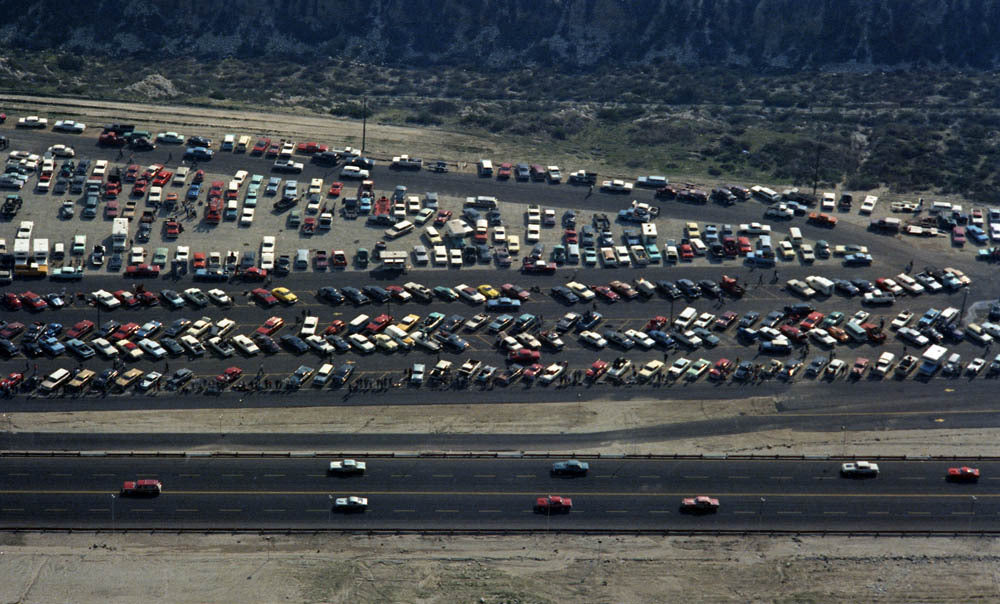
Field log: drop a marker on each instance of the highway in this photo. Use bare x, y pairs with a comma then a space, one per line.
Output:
489, 493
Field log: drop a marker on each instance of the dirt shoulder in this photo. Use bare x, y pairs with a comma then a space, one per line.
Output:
333, 568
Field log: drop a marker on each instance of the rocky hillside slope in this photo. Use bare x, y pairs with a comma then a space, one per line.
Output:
568, 34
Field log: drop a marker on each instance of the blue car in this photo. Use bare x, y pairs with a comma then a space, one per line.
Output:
198, 153
52, 346
573, 467
662, 338
193, 192
503, 304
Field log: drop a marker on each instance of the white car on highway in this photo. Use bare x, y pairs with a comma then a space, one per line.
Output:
347, 466
859, 469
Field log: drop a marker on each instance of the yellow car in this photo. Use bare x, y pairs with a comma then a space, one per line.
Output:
691, 231
489, 291
407, 322
285, 295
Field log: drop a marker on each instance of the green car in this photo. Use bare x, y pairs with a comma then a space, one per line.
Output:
160, 256
362, 257
295, 218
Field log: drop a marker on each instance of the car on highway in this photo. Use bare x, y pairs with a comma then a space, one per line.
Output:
553, 504
702, 504
962, 474
347, 467
572, 467
859, 469
350, 504
141, 488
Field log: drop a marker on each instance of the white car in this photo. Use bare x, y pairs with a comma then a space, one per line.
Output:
347, 466
651, 369
320, 345
267, 244
534, 233
902, 320
352, 503
455, 257
246, 345
755, 228
469, 294
104, 348
69, 126
593, 338
313, 206
552, 373
220, 347
678, 367
138, 256
423, 216
884, 364
386, 343
975, 366
859, 468
913, 336
704, 320
106, 299
246, 219
170, 137
822, 337
582, 291
309, 326
354, 172
182, 254
528, 341
360, 342
62, 151
640, 338
499, 234
219, 297
195, 296
32, 121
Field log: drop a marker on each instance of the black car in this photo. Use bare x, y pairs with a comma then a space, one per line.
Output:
355, 296
710, 288
7, 348
32, 349
563, 293
266, 343
143, 144
199, 141
376, 293
773, 318
176, 328
284, 265
342, 374
105, 378
619, 338
864, 285
339, 343
294, 343
567, 322
668, 289
846, 287
452, 323
749, 318
172, 347
179, 378
689, 288
331, 295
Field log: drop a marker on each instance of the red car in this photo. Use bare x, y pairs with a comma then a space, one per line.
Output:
264, 297
336, 326
336, 189
139, 188
379, 323
254, 274
173, 228
80, 329
310, 147
687, 252
398, 293
13, 380
720, 370
963, 474
33, 301
338, 258
532, 371
606, 292
200, 260
699, 504
515, 292
141, 488
505, 170
812, 320
320, 261
743, 243
570, 236
793, 333
11, 330
624, 290
12, 302
148, 298
199, 177
728, 318
261, 146
860, 366
270, 326
553, 504
273, 150
229, 376
597, 369
524, 355
162, 178
309, 226
126, 298
111, 209
442, 217
151, 171
131, 173
124, 332
143, 270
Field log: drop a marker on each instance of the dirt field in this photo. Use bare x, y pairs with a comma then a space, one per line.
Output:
178, 569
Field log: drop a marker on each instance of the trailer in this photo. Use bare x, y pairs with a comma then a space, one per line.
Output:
931, 360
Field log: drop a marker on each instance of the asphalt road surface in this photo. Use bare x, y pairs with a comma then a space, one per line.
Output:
495, 494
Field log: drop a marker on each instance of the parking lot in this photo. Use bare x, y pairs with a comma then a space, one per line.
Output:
767, 288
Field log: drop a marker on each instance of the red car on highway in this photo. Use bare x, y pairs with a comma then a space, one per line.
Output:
699, 505
553, 504
141, 488
963, 474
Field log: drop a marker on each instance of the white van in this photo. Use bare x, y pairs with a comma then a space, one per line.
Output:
55, 380
795, 236
302, 259
820, 284
698, 246
940, 207
242, 144
399, 229
228, 142
358, 323
687, 316
485, 168
573, 253
764, 244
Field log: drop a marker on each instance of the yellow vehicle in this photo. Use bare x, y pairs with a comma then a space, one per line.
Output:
489, 291
285, 295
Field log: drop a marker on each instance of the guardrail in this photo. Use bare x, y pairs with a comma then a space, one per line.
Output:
493, 455
511, 532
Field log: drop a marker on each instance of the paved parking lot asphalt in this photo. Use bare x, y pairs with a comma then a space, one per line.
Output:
765, 291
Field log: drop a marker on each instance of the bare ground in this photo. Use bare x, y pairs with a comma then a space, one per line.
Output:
543, 568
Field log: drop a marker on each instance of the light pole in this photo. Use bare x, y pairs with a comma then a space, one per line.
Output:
843, 430
972, 511
220, 425
760, 515
113, 498
329, 510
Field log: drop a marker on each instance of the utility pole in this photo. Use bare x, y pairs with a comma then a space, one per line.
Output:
819, 149
364, 122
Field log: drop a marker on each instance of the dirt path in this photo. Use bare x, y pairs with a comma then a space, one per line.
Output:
322, 568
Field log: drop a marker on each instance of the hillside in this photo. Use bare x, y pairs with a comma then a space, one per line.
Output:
570, 34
